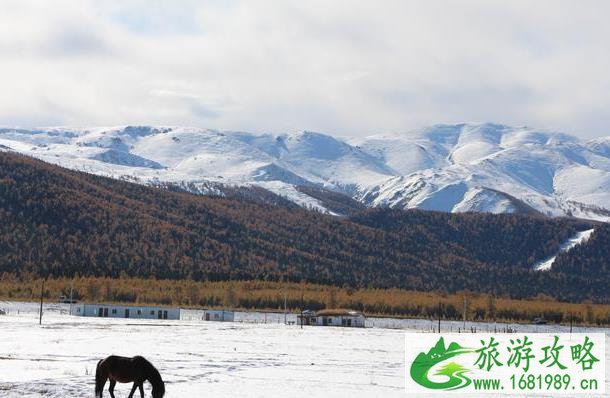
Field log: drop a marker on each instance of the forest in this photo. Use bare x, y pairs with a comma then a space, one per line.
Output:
62, 223
292, 297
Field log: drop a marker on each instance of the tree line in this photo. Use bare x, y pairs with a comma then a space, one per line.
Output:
272, 296
62, 223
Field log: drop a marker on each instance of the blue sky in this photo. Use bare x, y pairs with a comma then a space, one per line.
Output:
349, 68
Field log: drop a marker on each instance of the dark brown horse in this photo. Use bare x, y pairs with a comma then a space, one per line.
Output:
134, 370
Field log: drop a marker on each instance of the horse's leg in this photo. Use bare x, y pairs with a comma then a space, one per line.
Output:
133, 389
99, 388
141, 390
100, 379
111, 388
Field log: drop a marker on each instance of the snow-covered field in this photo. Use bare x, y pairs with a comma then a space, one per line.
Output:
247, 358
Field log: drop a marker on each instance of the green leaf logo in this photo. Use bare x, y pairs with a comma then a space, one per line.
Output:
420, 369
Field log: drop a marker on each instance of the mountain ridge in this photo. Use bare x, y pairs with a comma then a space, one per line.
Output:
480, 167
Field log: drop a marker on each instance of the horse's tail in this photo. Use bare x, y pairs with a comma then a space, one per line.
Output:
100, 380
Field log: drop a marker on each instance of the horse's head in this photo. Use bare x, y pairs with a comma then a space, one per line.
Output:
158, 390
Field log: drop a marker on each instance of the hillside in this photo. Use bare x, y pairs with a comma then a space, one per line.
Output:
481, 167
61, 222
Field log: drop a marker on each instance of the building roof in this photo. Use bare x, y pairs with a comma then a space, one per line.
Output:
338, 312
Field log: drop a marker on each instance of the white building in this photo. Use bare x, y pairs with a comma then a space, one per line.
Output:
218, 315
345, 318
123, 311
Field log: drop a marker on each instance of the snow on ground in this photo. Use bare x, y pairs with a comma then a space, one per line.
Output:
196, 358
291, 193
580, 237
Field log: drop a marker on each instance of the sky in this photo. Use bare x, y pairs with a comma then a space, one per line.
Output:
344, 67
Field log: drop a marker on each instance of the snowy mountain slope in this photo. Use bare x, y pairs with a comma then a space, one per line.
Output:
553, 173
577, 239
458, 168
329, 161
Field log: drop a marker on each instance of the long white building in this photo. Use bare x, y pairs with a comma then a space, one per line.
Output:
123, 311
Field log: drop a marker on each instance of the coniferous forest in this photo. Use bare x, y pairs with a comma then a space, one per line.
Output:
292, 297
62, 223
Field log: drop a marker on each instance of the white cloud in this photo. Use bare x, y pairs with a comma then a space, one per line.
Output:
344, 67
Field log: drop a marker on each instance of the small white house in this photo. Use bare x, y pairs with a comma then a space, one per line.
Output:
340, 317
123, 311
218, 315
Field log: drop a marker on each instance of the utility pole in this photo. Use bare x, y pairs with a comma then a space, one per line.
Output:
301, 310
285, 309
464, 315
41, 293
439, 316
71, 294
571, 322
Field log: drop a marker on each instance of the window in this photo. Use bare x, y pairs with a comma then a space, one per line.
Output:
313, 319
215, 316
330, 320
152, 312
139, 312
114, 310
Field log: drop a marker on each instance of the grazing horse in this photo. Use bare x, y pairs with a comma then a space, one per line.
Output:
128, 370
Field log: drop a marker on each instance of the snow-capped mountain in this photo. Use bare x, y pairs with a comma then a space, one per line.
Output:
457, 168
495, 168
